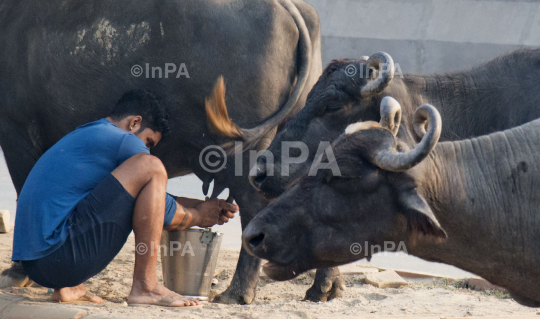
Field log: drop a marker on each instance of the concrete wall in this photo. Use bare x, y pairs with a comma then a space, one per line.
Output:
426, 36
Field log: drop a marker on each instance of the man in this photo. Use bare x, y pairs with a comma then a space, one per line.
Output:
90, 190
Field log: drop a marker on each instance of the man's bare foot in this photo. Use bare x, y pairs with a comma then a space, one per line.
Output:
141, 293
76, 293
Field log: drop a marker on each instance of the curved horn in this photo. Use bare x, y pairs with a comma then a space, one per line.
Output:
385, 75
390, 114
419, 125
392, 160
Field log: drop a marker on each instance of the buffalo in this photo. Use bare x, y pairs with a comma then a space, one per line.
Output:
66, 63
471, 203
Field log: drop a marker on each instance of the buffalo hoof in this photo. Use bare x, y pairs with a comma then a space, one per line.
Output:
15, 277
233, 296
328, 285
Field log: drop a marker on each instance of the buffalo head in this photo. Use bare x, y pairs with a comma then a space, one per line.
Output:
375, 199
348, 91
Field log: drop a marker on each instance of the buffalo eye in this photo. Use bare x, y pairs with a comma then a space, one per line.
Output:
346, 185
359, 178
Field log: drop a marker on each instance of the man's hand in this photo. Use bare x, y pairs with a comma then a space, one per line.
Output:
212, 212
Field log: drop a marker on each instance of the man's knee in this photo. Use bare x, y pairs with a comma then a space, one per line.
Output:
153, 165
136, 171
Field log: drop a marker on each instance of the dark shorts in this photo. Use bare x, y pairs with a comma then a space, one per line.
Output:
98, 229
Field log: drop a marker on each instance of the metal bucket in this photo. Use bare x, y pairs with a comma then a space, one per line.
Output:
189, 260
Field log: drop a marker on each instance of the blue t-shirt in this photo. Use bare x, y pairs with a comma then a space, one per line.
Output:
63, 176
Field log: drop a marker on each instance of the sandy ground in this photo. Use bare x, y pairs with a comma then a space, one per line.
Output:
284, 299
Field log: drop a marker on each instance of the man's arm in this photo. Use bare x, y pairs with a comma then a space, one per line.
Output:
188, 202
193, 212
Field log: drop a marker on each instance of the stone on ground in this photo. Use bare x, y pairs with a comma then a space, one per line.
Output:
387, 278
4, 221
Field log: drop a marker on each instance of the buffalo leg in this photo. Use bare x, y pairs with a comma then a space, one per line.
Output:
244, 282
329, 284
21, 155
242, 287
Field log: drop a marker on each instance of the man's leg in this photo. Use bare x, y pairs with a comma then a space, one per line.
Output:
145, 178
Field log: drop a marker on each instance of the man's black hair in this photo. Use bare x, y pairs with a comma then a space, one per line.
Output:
145, 104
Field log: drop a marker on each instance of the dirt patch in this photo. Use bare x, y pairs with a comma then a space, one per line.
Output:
284, 299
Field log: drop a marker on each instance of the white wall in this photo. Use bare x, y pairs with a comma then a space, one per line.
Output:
426, 36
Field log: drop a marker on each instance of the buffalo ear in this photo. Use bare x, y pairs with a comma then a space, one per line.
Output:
420, 219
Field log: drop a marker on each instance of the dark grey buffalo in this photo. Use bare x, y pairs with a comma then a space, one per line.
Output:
473, 203
65, 63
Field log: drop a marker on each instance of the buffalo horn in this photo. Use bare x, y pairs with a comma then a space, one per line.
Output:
392, 160
385, 75
390, 114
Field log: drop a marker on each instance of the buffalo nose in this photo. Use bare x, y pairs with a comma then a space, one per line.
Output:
252, 239
257, 175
